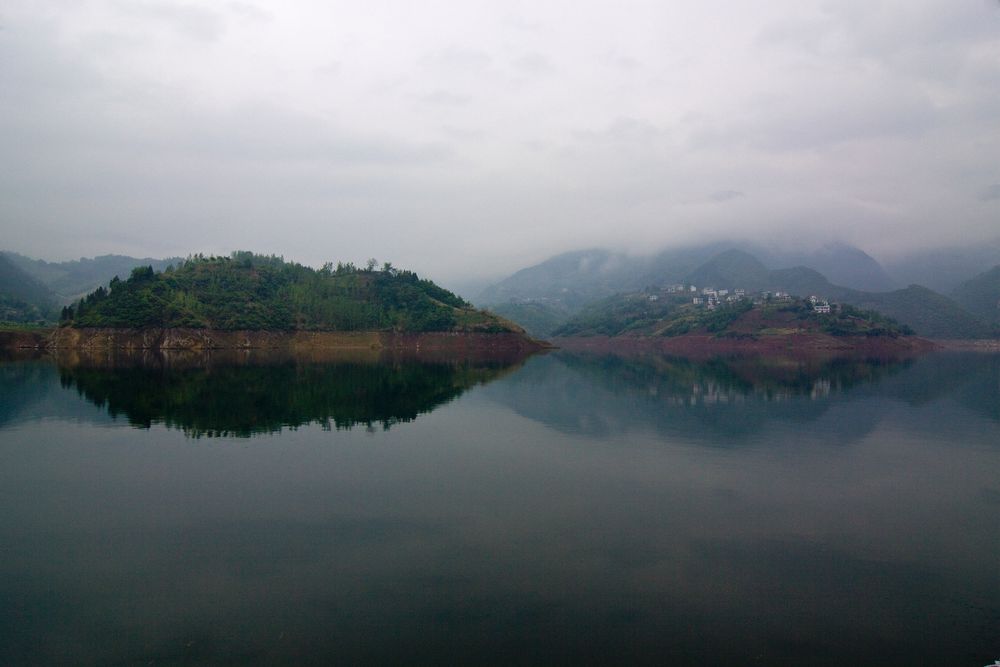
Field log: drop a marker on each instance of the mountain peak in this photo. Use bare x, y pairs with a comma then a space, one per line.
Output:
729, 269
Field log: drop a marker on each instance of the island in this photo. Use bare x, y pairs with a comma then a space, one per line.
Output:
716, 321
252, 301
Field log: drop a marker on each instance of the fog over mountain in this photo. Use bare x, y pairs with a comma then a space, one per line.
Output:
468, 140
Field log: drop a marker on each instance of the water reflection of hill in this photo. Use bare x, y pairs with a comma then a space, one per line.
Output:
237, 394
722, 401
971, 379
29, 389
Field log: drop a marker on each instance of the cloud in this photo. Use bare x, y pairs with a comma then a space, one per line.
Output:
991, 193
444, 98
249, 11
533, 63
721, 196
623, 130
189, 20
820, 114
465, 139
458, 58
622, 62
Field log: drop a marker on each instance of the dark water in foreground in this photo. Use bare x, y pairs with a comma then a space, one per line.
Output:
568, 510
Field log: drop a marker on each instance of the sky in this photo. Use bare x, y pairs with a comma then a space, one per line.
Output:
469, 139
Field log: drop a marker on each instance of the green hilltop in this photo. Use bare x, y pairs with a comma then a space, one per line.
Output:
257, 292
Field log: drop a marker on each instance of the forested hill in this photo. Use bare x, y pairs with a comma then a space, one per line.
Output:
257, 292
71, 280
22, 298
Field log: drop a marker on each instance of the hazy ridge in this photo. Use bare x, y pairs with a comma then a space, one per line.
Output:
547, 295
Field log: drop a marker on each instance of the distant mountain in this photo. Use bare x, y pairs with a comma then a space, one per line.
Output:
538, 319
944, 269
543, 296
570, 279
805, 282
930, 314
19, 284
735, 268
675, 264
843, 264
71, 280
927, 312
22, 298
575, 279
981, 295
729, 269
546, 307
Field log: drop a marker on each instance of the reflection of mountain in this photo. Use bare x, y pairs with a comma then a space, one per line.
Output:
972, 380
721, 380
228, 398
29, 390
739, 401
729, 401
22, 385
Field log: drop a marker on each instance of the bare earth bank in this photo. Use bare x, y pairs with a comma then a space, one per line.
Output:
209, 339
706, 345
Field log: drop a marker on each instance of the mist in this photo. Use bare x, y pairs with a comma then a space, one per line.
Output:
467, 140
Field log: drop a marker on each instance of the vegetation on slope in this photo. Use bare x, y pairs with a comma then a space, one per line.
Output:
927, 312
71, 280
635, 314
23, 300
729, 269
676, 316
538, 319
257, 292
981, 295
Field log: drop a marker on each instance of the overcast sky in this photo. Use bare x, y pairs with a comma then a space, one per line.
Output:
471, 137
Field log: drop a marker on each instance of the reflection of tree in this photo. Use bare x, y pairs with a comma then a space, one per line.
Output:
232, 399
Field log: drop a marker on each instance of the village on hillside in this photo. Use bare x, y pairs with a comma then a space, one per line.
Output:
711, 298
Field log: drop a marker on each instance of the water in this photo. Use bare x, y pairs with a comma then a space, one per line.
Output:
568, 509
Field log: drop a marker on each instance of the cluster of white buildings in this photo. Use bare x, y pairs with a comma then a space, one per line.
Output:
820, 305
711, 298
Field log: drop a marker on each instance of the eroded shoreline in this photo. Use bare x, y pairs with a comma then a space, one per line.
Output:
212, 339
706, 345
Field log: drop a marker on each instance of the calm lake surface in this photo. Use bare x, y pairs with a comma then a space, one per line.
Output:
567, 509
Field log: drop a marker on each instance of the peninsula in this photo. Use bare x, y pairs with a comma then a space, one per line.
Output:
765, 322
257, 301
